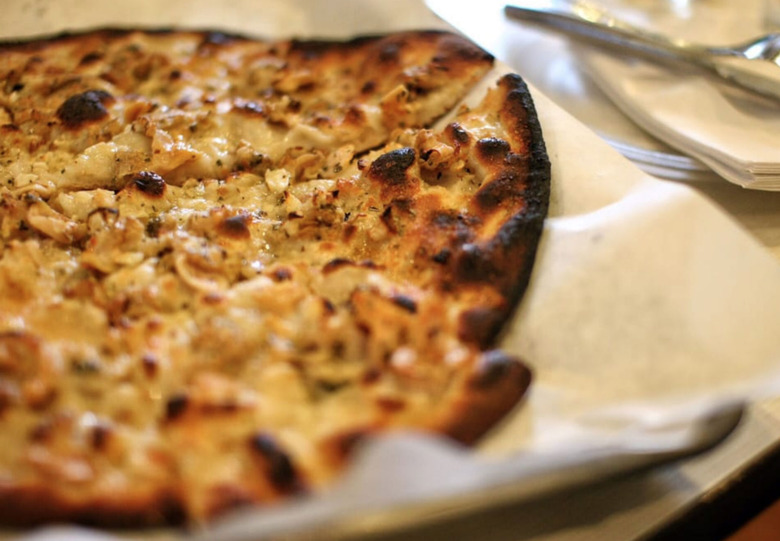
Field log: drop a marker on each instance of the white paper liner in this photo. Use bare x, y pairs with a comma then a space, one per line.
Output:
650, 317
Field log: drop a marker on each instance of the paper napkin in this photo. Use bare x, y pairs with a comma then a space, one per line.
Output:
735, 134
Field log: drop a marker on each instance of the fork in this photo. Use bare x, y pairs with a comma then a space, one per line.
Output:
753, 66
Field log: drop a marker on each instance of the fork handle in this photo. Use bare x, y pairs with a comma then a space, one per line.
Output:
597, 26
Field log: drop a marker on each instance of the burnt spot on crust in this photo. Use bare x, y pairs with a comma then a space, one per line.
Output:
153, 226
335, 264
349, 232
390, 404
214, 40
90, 58
480, 325
390, 168
452, 48
25, 506
84, 108
397, 215
281, 274
442, 256
354, 116
457, 134
150, 365
506, 189
493, 367
340, 263
368, 87
519, 114
407, 303
498, 383
475, 263
236, 227
277, 463
492, 150
389, 52
149, 183
99, 436
371, 376
314, 49
175, 406
504, 261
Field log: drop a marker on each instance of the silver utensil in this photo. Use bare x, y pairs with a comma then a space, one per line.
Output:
753, 66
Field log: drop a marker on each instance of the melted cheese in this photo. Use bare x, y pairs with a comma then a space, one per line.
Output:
206, 257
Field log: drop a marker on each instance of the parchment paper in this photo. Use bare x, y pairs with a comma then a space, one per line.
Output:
651, 316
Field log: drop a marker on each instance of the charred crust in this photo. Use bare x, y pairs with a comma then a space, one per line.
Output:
176, 406
84, 108
26, 506
389, 52
330, 309
150, 365
480, 325
505, 261
152, 228
368, 87
90, 58
492, 368
371, 376
456, 133
42, 431
498, 384
340, 262
149, 183
453, 49
313, 49
442, 257
354, 116
390, 404
281, 274
506, 189
492, 150
349, 232
407, 303
335, 264
109, 34
475, 263
390, 168
211, 41
100, 436
277, 463
236, 227
387, 219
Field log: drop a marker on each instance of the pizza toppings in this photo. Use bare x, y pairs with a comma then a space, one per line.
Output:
227, 262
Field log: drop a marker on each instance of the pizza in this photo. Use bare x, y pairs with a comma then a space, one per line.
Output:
227, 262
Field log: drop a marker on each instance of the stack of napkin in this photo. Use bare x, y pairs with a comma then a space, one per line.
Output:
735, 134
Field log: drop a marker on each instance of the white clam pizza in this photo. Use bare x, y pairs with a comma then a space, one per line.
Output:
225, 262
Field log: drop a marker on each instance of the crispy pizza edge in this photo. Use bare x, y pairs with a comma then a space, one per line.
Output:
500, 381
